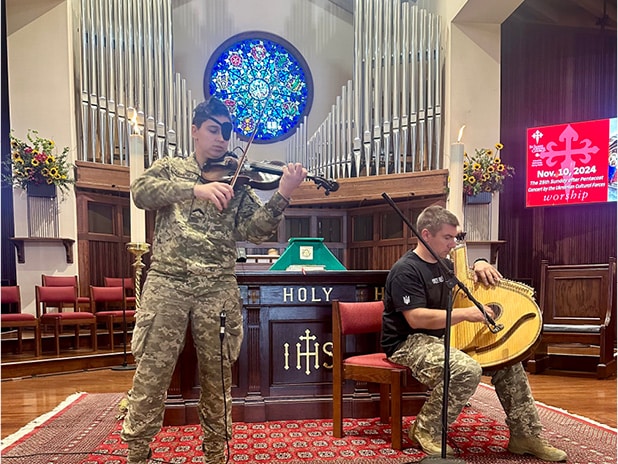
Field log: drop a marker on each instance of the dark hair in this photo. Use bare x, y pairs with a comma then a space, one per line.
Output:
211, 107
434, 217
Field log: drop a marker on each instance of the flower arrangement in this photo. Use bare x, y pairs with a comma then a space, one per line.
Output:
33, 162
484, 171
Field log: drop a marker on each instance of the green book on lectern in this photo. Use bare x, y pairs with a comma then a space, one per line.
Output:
307, 254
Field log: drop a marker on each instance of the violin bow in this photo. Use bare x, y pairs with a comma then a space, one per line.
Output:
243, 158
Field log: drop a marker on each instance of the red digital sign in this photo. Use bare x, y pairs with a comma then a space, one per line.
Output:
567, 164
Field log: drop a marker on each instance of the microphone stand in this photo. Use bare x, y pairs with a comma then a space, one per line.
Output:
450, 280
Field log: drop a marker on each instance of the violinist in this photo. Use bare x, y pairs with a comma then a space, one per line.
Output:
413, 329
191, 280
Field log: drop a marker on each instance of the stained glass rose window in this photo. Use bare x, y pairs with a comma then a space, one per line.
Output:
264, 81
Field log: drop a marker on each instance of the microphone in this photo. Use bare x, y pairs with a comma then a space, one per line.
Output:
222, 317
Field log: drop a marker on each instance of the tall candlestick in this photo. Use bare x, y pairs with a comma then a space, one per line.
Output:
137, 250
455, 198
136, 168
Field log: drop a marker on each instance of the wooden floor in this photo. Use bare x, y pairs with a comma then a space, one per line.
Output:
25, 399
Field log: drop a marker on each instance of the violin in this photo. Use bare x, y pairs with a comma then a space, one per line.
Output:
259, 175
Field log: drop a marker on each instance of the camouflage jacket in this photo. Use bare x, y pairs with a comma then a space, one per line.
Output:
192, 238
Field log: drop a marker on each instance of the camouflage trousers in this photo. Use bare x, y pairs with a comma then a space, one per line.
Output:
424, 355
167, 307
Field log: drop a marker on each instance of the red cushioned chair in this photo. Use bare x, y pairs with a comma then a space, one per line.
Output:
61, 298
11, 295
364, 318
129, 285
65, 281
127, 282
107, 304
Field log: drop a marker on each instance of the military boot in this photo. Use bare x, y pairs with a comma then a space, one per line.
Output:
430, 445
536, 446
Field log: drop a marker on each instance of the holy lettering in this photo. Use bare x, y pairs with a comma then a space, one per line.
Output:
303, 294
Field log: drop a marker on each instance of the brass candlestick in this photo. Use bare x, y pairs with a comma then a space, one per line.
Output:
138, 249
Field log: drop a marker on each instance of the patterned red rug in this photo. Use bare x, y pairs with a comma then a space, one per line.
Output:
86, 431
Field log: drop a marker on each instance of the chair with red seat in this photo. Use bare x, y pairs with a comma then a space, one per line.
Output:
127, 282
129, 285
11, 295
107, 304
64, 281
357, 318
61, 298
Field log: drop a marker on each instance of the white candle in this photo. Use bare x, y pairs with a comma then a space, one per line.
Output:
455, 197
136, 168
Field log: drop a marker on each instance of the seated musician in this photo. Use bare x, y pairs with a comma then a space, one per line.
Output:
416, 297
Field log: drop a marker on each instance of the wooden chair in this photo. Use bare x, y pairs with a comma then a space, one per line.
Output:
578, 303
107, 304
63, 281
61, 298
364, 318
127, 282
129, 287
11, 295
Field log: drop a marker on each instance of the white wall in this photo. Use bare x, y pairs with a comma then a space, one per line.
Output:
472, 80
40, 65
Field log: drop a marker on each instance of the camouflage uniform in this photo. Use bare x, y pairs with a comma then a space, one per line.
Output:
191, 279
424, 355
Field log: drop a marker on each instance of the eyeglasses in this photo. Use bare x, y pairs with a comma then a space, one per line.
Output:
226, 128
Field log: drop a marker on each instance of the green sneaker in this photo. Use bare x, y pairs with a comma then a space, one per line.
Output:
427, 443
536, 446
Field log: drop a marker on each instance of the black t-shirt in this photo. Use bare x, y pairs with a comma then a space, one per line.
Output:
411, 283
